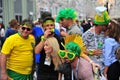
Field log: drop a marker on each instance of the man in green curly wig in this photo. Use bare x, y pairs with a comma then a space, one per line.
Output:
67, 17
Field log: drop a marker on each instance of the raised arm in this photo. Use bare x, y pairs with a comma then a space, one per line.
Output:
89, 60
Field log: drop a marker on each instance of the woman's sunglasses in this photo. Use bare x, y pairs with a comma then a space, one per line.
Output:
24, 28
63, 54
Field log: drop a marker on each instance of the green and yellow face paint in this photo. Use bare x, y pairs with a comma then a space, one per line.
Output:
48, 22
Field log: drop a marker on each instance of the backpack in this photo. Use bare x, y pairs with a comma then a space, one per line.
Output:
117, 53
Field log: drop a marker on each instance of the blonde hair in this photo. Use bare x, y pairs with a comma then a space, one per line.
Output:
55, 58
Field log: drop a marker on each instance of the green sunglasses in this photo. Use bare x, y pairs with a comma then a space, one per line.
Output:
64, 54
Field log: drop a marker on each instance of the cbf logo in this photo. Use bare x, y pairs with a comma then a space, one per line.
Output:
32, 44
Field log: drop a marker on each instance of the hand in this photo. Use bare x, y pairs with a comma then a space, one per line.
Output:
105, 71
47, 33
94, 65
97, 52
4, 76
105, 75
63, 33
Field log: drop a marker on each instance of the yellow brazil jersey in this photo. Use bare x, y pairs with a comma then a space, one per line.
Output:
20, 53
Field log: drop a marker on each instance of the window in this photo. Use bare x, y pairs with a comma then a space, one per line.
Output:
18, 18
1, 3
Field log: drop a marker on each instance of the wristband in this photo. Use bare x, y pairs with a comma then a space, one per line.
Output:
91, 62
42, 38
91, 52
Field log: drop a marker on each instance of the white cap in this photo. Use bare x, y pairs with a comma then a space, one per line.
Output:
100, 9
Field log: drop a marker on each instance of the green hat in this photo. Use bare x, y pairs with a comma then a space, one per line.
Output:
73, 47
67, 13
101, 17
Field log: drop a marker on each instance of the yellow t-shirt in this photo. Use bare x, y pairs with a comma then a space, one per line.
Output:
20, 53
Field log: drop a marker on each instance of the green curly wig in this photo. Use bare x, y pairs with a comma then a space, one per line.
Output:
73, 47
67, 13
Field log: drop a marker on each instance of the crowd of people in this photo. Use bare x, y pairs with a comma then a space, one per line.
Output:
61, 48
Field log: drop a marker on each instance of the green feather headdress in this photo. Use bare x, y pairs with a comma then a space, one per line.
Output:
74, 43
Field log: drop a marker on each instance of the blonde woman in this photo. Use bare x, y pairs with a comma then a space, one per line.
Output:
51, 48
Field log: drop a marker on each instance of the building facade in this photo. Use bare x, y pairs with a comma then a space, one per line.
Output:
85, 8
22, 9
17, 9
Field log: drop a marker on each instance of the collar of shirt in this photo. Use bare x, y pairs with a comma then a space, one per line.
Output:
70, 27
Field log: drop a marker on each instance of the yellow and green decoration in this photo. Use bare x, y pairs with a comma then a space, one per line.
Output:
102, 17
74, 46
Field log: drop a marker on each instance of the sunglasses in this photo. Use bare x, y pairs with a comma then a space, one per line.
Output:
24, 28
69, 55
